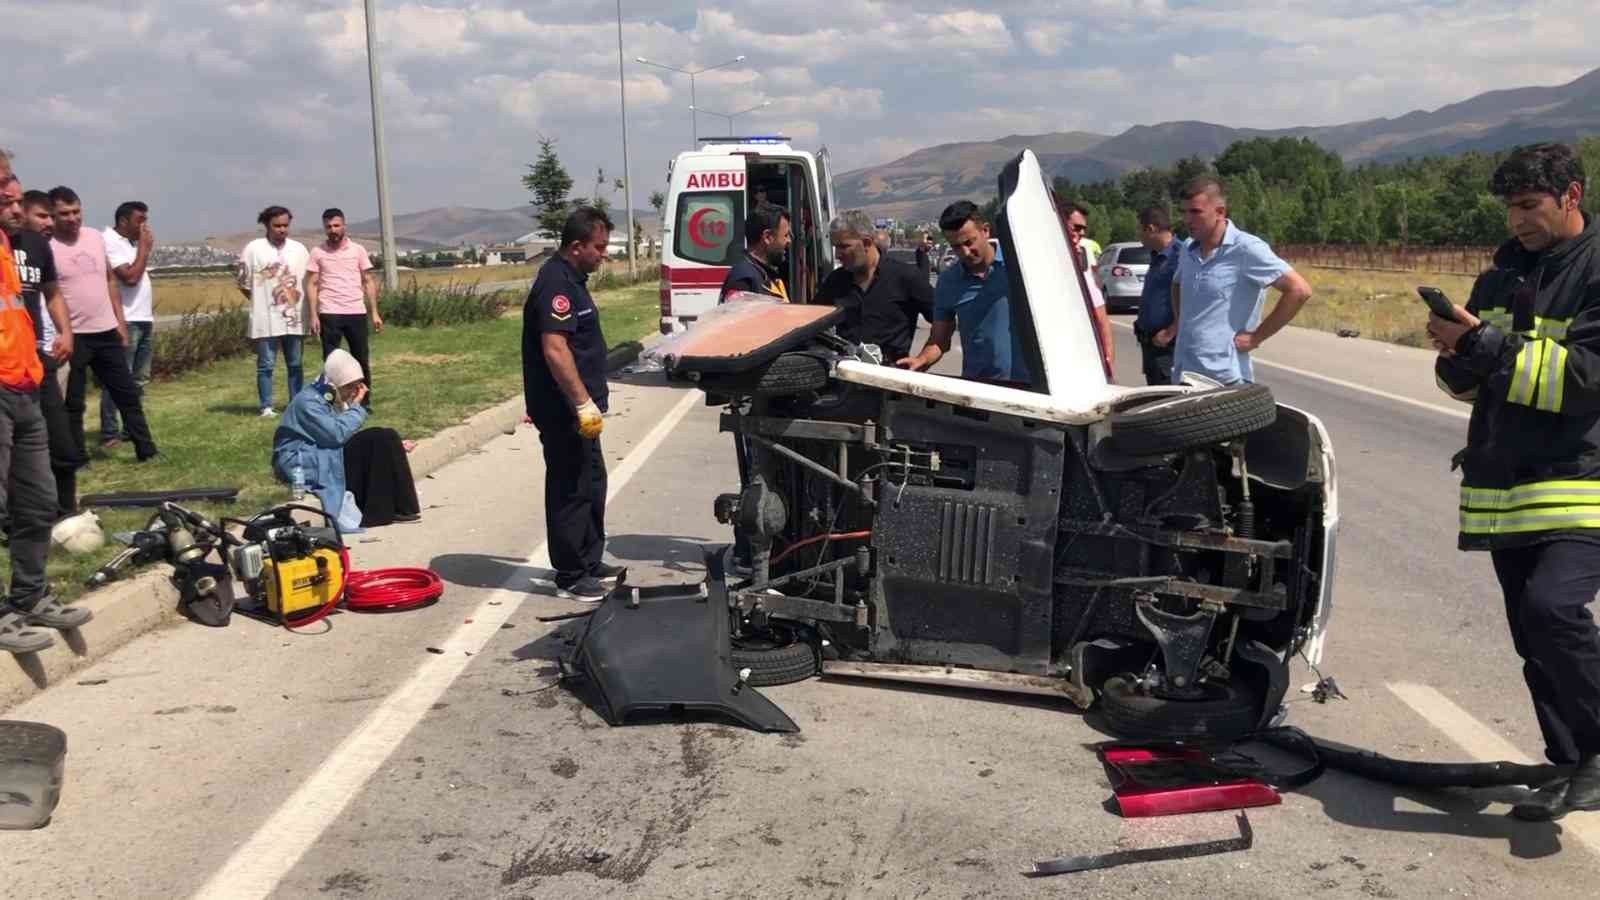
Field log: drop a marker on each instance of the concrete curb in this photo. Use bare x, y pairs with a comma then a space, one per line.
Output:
128, 609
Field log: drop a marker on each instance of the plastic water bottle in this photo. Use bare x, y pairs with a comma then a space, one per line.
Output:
297, 482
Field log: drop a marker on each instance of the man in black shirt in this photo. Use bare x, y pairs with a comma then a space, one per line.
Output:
30, 245
766, 240
564, 386
881, 297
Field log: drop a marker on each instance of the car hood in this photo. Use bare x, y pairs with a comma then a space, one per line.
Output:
1049, 298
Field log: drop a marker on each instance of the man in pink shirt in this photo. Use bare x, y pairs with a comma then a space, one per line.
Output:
100, 335
340, 286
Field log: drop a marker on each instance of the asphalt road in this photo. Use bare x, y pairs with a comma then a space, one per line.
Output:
246, 761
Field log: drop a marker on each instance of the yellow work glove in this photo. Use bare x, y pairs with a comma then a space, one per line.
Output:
590, 422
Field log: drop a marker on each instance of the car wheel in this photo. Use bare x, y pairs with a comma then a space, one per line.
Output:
781, 653
1197, 419
1226, 710
790, 373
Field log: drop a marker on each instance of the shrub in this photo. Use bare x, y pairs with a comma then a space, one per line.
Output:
199, 339
451, 304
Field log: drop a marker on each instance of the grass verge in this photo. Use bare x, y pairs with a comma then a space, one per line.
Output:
1382, 306
206, 422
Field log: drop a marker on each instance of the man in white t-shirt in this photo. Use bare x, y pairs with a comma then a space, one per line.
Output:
341, 288
272, 269
128, 246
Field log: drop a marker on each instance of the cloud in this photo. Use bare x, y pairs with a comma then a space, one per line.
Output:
221, 106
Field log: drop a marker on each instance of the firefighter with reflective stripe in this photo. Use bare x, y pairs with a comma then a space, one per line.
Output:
1525, 352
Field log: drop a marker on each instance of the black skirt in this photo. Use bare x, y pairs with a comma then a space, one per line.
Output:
377, 473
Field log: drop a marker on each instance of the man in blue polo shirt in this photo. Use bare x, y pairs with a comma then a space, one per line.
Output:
1222, 279
971, 298
1155, 300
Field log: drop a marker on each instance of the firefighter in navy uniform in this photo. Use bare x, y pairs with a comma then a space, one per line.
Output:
564, 383
1525, 351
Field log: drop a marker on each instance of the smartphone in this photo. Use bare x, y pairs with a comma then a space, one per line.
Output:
1437, 302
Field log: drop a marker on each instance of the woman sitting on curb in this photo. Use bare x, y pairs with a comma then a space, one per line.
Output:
320, 433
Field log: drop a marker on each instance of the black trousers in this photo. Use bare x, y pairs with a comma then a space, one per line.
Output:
350, 327
574, 497
102, 352
1157, 360
377, 472
65, 459
1548, 588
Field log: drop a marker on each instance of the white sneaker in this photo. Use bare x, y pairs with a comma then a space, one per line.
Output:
267, 412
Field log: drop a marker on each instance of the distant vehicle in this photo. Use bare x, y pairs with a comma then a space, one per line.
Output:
702, 232
1120, 271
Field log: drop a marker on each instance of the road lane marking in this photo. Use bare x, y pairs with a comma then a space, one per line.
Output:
260, 864
1351, 385
1483, 744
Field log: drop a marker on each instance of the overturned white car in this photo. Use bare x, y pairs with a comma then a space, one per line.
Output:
1163, 552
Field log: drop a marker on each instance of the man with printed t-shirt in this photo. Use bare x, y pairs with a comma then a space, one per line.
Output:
128, 246
100, 334
564, 386
272, 269
340, 286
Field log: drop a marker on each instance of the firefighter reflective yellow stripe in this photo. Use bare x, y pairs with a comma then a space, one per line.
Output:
1546, 518
1537, 493
1555, 329
1540, 506
1538, 375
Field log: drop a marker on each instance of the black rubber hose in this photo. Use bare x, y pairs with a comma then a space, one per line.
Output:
1378, 767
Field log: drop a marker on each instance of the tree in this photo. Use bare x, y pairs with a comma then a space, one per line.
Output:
602, 189
549, 182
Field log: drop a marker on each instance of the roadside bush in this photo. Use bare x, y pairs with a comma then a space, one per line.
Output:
450, 304
200, 338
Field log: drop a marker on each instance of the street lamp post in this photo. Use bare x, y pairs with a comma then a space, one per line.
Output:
694, 123
731, 116
391, 274
627, 180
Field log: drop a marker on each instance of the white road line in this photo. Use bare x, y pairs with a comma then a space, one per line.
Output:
256, 868
1351, 385
1483, 744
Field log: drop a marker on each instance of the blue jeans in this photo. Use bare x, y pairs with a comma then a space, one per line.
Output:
267, 356
141, 349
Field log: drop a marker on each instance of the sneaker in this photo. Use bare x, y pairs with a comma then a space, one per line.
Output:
604, 573
17, 637
585, 590
52, 613
268, 412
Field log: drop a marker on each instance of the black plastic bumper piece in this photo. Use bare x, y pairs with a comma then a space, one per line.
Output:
664, 651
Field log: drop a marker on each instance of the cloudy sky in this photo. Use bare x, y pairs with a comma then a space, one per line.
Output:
209, 109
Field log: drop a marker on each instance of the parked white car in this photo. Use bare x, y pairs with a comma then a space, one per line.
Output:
1120, 271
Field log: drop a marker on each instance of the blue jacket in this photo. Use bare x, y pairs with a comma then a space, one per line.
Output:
312, 433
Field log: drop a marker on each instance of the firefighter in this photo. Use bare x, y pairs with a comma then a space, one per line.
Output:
1525, 352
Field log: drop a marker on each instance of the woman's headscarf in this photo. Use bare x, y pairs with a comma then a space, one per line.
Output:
339, 368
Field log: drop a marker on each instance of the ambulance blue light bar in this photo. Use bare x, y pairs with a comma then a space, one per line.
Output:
753, 139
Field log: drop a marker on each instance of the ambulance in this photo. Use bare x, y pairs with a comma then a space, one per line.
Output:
702, 229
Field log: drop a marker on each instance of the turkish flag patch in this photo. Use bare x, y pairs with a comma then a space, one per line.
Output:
561, 305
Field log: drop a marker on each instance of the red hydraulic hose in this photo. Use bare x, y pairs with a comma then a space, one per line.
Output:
377, 590
835, 536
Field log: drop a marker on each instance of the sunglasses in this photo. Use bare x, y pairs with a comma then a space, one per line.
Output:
1079, 228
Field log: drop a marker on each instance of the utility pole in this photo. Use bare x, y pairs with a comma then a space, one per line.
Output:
694, 123
627, 181
391, 274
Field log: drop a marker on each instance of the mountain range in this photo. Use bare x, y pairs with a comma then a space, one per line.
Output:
917, 186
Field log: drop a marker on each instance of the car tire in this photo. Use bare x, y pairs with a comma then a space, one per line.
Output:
1228, 710
1203, 418
790, 373
782, 654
